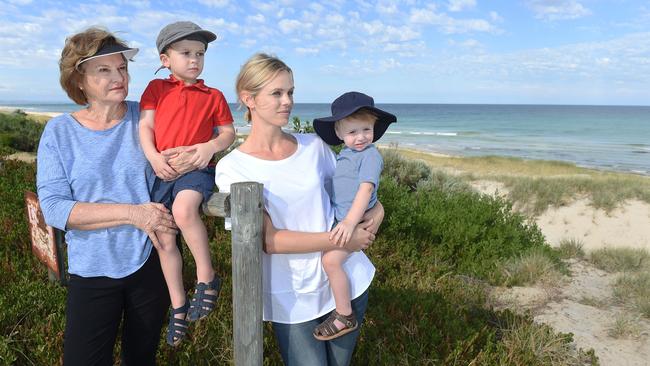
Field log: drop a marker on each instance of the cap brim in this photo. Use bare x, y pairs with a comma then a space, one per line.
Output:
128, 53
207, 35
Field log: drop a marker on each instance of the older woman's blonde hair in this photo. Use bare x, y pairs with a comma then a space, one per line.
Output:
255, 74
76, 48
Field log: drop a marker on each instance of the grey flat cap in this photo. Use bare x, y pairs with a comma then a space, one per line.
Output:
181, 30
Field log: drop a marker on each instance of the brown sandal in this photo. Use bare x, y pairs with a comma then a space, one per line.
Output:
327, 330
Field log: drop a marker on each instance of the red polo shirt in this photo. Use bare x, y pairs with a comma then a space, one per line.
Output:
185, 114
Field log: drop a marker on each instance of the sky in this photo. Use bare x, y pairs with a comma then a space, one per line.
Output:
594, 52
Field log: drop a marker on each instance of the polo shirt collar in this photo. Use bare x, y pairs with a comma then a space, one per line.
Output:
199, 83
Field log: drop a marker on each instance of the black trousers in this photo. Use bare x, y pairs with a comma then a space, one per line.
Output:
97, 305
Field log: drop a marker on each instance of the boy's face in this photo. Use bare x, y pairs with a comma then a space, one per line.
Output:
356, 133
184, 59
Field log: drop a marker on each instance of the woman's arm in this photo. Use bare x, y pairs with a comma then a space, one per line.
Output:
152, 218
287, 241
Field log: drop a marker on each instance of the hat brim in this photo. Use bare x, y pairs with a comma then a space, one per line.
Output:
112, 49
324, 127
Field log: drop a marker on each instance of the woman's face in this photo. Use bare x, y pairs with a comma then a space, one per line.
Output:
274, 101
105, 79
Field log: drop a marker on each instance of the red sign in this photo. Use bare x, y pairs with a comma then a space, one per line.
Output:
43, 239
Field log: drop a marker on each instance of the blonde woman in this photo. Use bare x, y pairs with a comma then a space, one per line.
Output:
296, 170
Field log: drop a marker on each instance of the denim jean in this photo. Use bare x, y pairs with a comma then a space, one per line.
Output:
298, 346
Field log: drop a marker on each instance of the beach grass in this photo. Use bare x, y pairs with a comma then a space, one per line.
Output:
633, 290
624, 326
535, 185
620, 259
531, 268
571, 248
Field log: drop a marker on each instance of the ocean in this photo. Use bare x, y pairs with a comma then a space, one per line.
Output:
602, 137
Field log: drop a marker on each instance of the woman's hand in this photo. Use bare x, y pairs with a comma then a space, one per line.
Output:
361, 237
180, 159
376, 214
152, 218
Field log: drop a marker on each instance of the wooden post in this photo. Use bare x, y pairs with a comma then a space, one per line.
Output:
246, 218
244, 207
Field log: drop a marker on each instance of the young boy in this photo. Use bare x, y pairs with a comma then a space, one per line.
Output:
182, 111
356, 122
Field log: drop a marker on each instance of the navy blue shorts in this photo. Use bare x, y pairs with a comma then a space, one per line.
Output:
201, 181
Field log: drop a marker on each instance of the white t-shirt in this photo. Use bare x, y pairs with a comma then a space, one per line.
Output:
295, 286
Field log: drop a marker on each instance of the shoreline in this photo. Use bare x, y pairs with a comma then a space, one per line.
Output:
412, 149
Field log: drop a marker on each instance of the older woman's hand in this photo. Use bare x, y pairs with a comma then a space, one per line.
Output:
152, 218
180, 159
361, 237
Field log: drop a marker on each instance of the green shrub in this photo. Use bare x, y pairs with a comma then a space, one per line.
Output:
19, 132
468, 231
420, 311
408, 173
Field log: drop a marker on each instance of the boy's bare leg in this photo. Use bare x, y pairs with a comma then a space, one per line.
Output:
171, 263
333, 264
187, 217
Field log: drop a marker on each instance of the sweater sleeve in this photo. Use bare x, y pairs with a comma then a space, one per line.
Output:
53, 187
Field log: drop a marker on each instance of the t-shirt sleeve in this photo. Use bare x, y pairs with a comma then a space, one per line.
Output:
222, 115
371, 166
149, 99
53, 188
223, 179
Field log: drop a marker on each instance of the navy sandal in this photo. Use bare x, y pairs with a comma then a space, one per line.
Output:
177, 327
203, 303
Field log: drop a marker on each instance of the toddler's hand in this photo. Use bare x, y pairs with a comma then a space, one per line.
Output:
342, 233
203, 154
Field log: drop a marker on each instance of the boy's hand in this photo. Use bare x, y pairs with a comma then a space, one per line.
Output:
342, 233
202, 154
162, 169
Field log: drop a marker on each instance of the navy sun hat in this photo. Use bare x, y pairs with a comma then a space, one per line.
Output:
346, 105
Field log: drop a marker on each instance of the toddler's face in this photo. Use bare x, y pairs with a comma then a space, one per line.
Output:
356, 133
185, 59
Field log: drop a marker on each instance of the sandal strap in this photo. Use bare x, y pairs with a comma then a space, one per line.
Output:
177, 327
203, 303
327, 327
350, 321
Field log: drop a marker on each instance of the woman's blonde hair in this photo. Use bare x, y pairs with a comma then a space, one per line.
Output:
255, 73
76, 48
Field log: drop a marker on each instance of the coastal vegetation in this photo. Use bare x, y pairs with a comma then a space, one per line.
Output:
440, 248
535, 185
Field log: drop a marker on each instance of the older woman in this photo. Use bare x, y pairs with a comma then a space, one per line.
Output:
296, 170
93, 182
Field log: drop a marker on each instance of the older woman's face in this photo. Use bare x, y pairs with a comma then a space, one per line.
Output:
105, 79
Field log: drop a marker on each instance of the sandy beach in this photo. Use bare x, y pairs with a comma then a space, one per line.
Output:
582, 303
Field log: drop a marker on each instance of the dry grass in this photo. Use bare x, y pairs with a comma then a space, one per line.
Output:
535, 185
633, 290
571, 248
620, 259
529, 269
624, 326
